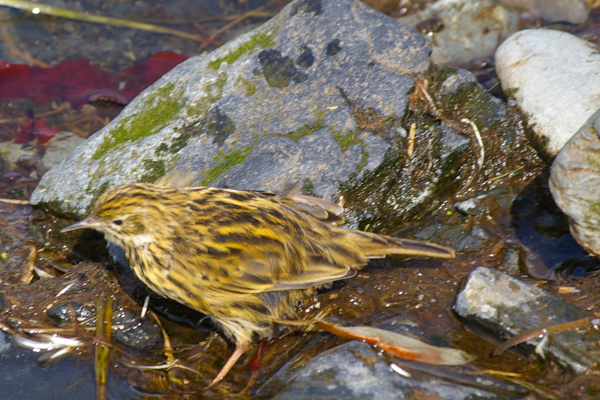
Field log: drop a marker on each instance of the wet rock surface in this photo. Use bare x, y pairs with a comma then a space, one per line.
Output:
60, 313
356, 371
490, 23
136, 332
574, 183
507, 306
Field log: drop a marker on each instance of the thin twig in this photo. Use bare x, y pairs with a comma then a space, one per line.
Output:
421, 85
479, 141
539, 332
145, 307
495, 178
34, 61
411, 140
166, 340
230, 25
104, 312
63, 107
481, 159
253, 13
12, 201
168, 366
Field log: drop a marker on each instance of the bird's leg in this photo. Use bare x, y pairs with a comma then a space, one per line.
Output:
237, 353
255, 362
263, 346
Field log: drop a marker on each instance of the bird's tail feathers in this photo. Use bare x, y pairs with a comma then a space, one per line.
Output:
380, 246
411, 247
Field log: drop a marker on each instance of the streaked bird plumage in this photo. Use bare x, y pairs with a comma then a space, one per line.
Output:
245, 258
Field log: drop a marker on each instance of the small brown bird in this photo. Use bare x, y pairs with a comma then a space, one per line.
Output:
245, 258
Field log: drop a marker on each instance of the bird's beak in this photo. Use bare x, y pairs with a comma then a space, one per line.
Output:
89, 222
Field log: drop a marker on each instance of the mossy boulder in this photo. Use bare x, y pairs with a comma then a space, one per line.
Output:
324, 94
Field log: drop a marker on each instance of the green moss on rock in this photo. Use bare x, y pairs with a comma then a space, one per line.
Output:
305, 130
364, 159
159, 109
214, 91
261, 40
346, 141
103, 188
308, 188
154, 170
249, 87
225, 162
177, 143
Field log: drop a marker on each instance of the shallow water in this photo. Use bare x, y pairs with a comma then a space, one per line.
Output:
413, 296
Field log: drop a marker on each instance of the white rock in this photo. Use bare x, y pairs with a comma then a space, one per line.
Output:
13, 153
555, 79
575, 184
470, 29
59, 147
573, 11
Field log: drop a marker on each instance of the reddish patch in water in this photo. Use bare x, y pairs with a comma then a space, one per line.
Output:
79, 82
32, 128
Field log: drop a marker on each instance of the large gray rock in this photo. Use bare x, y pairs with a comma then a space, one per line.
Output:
270, 99
323, 96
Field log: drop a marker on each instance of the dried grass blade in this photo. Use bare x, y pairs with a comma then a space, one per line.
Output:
38, 8
104, 313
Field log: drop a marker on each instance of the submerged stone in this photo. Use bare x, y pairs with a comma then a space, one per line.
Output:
506, 306
354, 371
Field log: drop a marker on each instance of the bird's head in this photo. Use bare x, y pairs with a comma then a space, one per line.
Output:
128, 215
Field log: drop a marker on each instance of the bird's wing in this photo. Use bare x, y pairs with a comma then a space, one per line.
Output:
263, 261
306, 282
259, 243
323, 210
263, 271
320, 209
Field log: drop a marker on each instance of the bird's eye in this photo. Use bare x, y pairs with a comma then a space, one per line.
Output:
118, 222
